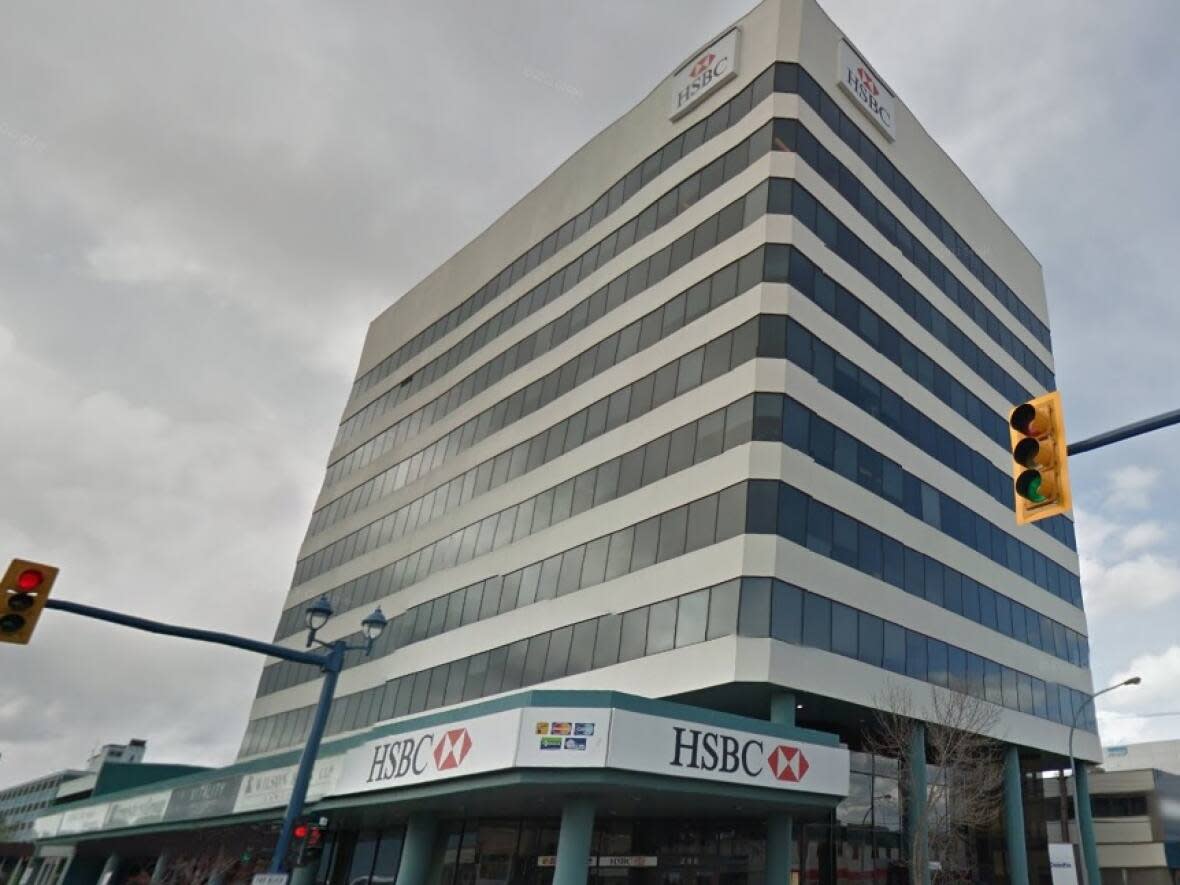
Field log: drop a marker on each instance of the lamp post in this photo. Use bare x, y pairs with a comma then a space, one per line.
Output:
330, 661
1087, 849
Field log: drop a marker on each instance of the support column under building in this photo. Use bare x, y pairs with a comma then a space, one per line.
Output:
417, 850
1014, 819
160, 870
110, 870
780, 827
917, 825
573, 842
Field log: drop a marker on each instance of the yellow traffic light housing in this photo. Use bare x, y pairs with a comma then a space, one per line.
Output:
23, 594
1039, 469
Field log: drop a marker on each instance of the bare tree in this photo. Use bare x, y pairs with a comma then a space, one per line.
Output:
965, 775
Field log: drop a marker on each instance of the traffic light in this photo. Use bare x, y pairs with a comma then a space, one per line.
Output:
23, 594
308, 839
313, 848
1039, 468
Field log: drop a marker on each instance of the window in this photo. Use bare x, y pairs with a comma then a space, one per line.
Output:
691, 618
606, 643
845, 631
581, 655
661, 627
723, 610
754, 614
817, 622
634, 635
702, 523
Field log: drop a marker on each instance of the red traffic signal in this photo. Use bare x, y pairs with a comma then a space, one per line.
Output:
24, 590
301, 830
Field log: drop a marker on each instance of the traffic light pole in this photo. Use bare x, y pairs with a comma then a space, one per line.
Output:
331, 662
1167, 419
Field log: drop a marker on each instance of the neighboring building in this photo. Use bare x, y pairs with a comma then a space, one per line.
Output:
128, 753
1163, 755
21, 804
714, 416
1136, 815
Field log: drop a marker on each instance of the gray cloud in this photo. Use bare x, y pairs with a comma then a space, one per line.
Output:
202, 206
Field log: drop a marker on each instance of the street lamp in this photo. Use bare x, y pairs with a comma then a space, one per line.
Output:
1087, 849
331, 662
315, 616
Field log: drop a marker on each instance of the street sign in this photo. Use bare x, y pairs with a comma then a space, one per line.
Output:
269, 879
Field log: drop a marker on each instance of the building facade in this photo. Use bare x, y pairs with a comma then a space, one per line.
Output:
714, 417
1136, 819
22, 804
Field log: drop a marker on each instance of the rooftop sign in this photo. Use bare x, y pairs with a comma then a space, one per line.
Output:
700, 77
864, 87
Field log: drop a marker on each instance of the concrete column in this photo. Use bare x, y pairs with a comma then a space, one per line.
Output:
418, 850
1014, 819
1086, 825
29, 874
782, 708
109, 869
916, 822
161, 867
573, 842
780, 844
780, 827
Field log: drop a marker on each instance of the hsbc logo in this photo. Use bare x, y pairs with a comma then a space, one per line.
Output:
407, 756
859, 82
704, 63
746, 757
867, 79
452, 749
787, 763
704, 74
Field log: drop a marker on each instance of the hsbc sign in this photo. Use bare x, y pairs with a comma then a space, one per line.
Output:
858, 81
482, 744
565, 737
690, 749
702, 75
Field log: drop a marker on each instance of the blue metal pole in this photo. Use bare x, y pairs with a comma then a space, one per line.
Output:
333, 663
1167, 419
1081, 791
266, 648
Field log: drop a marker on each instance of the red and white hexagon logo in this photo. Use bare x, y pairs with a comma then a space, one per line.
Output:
452, 749
788, 764
868, 80
702, 64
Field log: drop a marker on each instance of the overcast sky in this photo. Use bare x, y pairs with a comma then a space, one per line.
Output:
203, 205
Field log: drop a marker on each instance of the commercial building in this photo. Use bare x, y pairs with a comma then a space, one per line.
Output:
21, 804
1135, 803
707, 434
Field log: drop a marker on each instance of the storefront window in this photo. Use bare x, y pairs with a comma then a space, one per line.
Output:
389, 853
